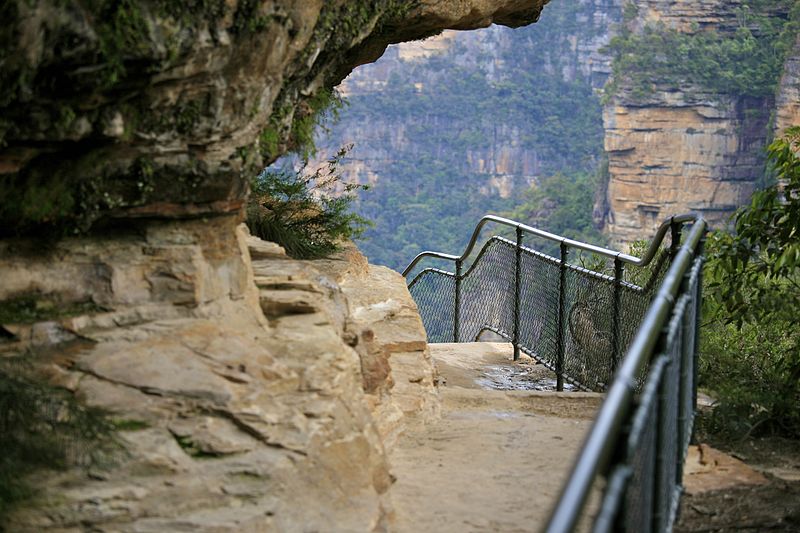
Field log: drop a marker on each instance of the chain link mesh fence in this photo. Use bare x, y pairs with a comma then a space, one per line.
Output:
566, 316
646, 490
434, 292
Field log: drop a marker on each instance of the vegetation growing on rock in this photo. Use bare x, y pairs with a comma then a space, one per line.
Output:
747, 63
307, 212
43, 427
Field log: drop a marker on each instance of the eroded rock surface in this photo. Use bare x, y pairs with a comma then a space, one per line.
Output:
687, 148
384, 325
681, 151
238, 388
117, 110
226, 415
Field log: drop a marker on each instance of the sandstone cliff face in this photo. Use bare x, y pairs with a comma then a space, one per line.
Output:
253, 392
681, 151
788, 101
684, 148
687, 15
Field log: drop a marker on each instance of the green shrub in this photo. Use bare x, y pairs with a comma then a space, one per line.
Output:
306, 213
749, 371
751, 352
43, 427
747, 62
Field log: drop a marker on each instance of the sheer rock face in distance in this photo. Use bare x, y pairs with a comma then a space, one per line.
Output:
678, 152
685, 148
788, 99
115, 110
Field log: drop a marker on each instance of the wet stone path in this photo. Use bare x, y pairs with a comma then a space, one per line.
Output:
497, 459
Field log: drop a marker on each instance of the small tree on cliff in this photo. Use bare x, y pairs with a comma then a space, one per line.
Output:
308, 213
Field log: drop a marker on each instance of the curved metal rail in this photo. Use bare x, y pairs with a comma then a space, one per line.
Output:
639, 439
578, 245
576, 321
666, 346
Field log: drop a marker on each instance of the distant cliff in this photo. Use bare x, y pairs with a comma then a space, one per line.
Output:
693, 103
461, 124
458, 125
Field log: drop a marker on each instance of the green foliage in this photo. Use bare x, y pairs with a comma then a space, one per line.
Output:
306, 213
561, 205
425, 204
344, 22
313, 115
747, 62
122, 35
42, 427
756, 270
30, 308
630, 11
749, 371
753, 301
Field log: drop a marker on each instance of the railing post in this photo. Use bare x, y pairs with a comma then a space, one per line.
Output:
561, 303
675, 237
517, 290
615, 347
698, 311
457, 303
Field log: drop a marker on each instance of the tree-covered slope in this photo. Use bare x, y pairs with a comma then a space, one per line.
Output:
448, 130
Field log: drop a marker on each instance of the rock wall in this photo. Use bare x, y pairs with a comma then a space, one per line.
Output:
788, 100
680, 152
238, 386
251, 392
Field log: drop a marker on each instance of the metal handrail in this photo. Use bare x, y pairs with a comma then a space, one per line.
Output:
620, 259
597, 451
564, 241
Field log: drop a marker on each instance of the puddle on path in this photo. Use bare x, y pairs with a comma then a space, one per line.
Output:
519, 377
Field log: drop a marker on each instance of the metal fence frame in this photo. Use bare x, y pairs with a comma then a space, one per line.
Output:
638, 441
672, 225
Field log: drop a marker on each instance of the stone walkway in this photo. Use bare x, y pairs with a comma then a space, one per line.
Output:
497, 459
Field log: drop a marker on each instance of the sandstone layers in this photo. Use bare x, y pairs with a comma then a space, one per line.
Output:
239, 387
788, 102
678, 152
252, 392
147, 108
686, 148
